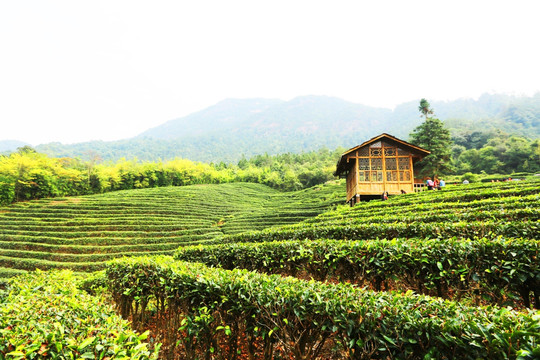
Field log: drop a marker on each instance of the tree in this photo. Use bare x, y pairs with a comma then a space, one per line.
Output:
93, 159
433, 136
518, 150
425, 109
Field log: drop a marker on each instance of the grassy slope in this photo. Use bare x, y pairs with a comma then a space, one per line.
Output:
80, 233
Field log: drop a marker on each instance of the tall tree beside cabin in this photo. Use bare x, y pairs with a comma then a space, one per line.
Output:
435, 137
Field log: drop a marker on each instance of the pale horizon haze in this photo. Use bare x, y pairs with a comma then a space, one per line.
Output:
73, 71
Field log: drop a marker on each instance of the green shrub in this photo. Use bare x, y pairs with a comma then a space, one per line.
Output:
94, 283
44, 316
470, 177
7, 190
434, 230
277, 317
498, 270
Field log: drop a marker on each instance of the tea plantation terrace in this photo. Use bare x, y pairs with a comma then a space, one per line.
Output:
403, 278
494, 209
479, 242
81, 233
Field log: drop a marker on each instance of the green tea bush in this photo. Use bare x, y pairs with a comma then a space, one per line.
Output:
431, 230
94, 283
45, 316
487, 270
476, 210
221, 313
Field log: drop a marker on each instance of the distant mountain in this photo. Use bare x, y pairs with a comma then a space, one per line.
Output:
223, 116
236, 127
302, 116
11, 145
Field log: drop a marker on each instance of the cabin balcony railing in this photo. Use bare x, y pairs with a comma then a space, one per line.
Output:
419, 187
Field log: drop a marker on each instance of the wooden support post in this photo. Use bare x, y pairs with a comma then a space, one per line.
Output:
411, 171
383, 168
356, 169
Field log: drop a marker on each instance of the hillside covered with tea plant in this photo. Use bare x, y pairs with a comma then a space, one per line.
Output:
259, 274
405, 278
81, 233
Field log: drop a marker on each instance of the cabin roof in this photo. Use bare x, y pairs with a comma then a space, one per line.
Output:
342, 164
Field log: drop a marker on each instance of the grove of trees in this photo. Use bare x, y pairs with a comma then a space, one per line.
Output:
489, 152
495, 153
27, 174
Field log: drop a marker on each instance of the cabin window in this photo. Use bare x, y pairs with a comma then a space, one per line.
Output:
376, 164
376, 176
389, 152
391, 163
363, 151
363, 176
404, 164
363, 164
375, 152
377, 144
391, 176
404, 176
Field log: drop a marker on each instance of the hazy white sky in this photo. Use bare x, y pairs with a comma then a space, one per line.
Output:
74, 71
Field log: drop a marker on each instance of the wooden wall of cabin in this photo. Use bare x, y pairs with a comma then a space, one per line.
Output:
378, 167
352, 180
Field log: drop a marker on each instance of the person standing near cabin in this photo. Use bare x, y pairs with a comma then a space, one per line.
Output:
441, 184
384, 196
429, 184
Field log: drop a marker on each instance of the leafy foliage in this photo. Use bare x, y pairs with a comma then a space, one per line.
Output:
217, 313
29, 175
433, 136
465, 212
504, 271
274, 316
499, 153
82, 233
26, 174
45, 316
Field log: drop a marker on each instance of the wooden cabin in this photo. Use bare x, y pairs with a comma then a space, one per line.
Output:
384, 163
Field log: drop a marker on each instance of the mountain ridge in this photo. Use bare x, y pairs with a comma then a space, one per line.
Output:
233, 128
9, 144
